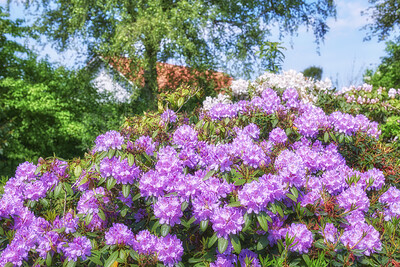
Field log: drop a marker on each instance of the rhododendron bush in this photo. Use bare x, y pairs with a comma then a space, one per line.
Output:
257, 182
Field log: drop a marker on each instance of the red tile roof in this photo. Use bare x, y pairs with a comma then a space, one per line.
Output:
171, 76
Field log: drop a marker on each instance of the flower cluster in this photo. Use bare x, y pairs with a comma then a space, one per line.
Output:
168, 249
303, 237
264, 154
392, 199
109, 140
120, 170
119, 234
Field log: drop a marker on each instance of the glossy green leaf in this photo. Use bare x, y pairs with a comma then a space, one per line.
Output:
165, 228
110, 261
222, 244
203, 225
126, 190
236, 243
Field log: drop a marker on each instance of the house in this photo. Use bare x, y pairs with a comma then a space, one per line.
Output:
115, 78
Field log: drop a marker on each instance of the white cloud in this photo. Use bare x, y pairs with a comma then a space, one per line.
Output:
349, 15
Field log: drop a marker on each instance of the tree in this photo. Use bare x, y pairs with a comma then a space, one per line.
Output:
201, 33
385, 17
387, 74
45, 110
313, 72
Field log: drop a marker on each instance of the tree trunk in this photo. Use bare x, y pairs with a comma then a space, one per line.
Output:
150, 75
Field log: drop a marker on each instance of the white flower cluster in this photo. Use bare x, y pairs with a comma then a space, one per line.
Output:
112, 89
240, 88
308, 88
392, 92
212, 101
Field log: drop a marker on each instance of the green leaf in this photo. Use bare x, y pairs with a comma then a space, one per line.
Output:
262, 242
96, 260
165, 228
240, 182
88, 218
234, 204
306, 259
60, 230
111, 153
58, 190
78, 171
192, 220
180, 102
184, 205
49, 259
110, 261
68, 188
222, 244
136, 197
262, 220
131, 159
279, 210
236, 243
208, 175
291, 197
110, 183
126, 190
203, 225
71, 264
155, 133
212, 240
247, 222
101, 214
326, 137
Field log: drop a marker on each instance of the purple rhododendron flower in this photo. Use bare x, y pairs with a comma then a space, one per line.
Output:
362, 236
224, 261
120, 170
109, 140
277, 136
256, 195
330, 233
25, 172
356, 196
79, 247
119, 234
168, 210
170, 250
68, 221
311, 119
146, 144
373, 175
302, 236
249, 257
185, 136
291, 168
227, 220
392, 199
145, 242
168, 116
220, 111
244, 148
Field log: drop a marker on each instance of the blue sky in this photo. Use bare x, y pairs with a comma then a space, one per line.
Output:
343, 55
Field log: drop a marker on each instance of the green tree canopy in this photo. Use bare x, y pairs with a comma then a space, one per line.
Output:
201, 33
45, 110
313, 72
387, 74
